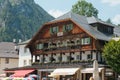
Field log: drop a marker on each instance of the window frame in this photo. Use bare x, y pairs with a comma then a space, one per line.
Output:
40, 46
67, 27
24, 62
7, 60
54, 30
85, 41
88, 56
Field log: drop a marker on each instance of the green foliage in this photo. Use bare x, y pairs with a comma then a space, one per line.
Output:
84, 8
111, 53
109, 21
21, 20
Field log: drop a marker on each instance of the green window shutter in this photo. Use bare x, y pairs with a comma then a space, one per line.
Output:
51, 30
71, 26
57, 29
82, 41
88, 40
37, 46
65, 43
64, 30
40, 46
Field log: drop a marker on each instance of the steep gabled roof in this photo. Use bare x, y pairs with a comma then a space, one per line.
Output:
7, 50
92, 20
84, 23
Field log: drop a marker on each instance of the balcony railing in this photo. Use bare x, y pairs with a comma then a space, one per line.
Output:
62, 64
59, 49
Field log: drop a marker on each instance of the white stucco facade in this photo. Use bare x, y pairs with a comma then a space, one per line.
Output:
24, 55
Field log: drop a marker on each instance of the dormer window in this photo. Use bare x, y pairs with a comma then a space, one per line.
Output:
106, 29
54, 30
67, 27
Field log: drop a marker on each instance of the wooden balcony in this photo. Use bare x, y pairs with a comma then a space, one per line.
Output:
63, 49
62, 64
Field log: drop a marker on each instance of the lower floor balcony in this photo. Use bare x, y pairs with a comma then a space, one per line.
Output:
62, 64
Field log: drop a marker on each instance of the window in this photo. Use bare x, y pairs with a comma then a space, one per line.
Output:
110, 30
67, 27
39, 46
6, 60
105, 29
78, 57
30, 62
85, 41
77, 41
25, 50
25, 62
54, 30
68, 58
88, 56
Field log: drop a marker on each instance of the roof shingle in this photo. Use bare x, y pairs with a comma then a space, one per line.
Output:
7, 50
84, 23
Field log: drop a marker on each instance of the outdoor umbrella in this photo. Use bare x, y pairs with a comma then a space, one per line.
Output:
33, 75
95, 70
28, 78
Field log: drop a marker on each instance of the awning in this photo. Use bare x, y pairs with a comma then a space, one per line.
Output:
90, 70
53, 75
21, 73
2, 75
64, 71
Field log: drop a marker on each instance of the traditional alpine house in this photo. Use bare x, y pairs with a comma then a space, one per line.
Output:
70, 43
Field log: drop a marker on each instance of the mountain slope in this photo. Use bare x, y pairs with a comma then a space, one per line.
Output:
20, 19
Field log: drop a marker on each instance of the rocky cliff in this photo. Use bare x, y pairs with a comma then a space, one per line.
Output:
20, 19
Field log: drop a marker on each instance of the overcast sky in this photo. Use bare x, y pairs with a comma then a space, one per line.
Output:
107, 8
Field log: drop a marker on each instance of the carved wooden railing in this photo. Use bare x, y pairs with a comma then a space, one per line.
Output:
62, 64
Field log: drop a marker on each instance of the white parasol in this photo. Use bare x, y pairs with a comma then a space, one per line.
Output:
95, 70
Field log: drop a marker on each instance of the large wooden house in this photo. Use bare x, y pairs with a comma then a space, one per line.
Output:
70, 41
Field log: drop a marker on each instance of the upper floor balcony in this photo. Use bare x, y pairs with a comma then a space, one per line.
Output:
64, 46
